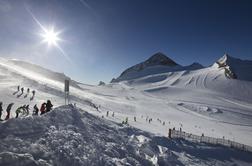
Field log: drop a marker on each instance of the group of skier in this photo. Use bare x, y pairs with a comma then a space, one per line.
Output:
22, 92
45, 107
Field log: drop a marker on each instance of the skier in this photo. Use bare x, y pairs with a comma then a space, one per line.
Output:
43, 108
33, 93
48, 106
8, 109
27, 109
126, 120
107, 113
18, 88
24, 109
28, 90
134, 118
18, 111
1, 109
35, 110
22, 90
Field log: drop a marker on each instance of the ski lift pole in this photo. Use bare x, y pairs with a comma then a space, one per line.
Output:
67, 82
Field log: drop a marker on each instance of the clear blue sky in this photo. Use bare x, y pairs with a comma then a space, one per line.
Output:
104, 37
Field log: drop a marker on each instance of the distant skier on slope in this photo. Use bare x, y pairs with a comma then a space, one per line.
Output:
22, 90
33, 93
28, 90
1, 109
48, 106
18, 88
126, 120
43, 109
8, 109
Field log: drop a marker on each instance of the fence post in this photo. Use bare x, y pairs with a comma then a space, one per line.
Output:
169, 133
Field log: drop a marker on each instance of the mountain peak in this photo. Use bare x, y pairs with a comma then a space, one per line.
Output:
160, 58
158, 63
225, 59
235, 68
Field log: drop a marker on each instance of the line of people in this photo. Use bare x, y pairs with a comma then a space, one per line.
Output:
25, 110
22, 92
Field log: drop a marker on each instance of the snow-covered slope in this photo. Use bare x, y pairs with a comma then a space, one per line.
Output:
156, 64
236, 68
68, 136
197, 101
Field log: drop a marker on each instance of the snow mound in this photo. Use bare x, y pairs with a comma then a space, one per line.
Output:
65, 136
69, 136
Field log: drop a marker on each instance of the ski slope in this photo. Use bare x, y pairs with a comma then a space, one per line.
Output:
197, 101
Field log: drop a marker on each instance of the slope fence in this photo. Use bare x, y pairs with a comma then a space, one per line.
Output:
210, 140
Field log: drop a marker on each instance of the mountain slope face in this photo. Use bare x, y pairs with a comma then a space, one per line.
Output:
236, 68
157, 63
25, 70
69, 136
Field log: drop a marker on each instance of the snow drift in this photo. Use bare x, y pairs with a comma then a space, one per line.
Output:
69, 136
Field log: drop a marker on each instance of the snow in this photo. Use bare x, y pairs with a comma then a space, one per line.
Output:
70, 136
198, 101
241, 68
156, 64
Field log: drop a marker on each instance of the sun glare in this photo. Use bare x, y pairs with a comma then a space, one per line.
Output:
50, 36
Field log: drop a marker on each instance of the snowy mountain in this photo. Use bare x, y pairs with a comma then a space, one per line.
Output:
159, 63
156, 64
198, 101
236, 68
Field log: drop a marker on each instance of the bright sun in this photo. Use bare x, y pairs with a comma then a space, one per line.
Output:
50, 36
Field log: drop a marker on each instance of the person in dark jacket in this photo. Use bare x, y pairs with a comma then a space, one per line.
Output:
8, 109
48, 106
42, 108
27, 110
35, 110
22, 90
18, 111
33, 93
23, 110
1, 109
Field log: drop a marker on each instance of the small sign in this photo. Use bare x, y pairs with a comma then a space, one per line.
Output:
67, 85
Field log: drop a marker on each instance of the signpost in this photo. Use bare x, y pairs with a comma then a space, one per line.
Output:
67, 83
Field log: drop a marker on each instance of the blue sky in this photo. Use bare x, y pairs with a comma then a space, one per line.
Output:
104, 37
